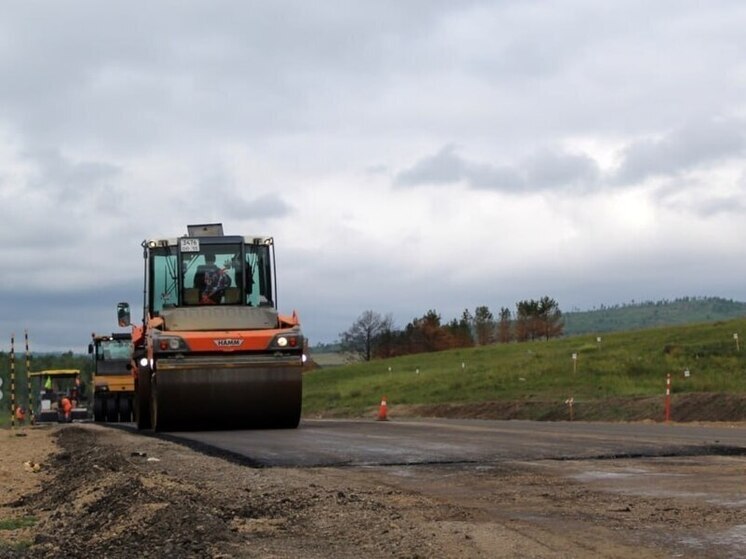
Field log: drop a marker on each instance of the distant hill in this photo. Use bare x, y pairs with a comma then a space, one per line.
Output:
634, 316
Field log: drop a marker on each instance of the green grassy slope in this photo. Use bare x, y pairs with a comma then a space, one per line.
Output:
683, 311
629, 364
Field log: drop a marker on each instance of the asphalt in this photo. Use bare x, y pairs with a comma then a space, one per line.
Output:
318, 443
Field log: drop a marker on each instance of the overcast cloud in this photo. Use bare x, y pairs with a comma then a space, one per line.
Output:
406, 156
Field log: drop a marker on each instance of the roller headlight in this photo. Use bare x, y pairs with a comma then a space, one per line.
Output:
169, 343
287, 341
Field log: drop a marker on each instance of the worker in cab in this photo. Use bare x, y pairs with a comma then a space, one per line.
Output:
211, 281
65, 410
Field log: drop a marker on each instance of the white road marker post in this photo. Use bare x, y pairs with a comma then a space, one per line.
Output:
570, 401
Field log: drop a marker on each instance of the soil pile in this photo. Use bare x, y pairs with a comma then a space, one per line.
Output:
111, 494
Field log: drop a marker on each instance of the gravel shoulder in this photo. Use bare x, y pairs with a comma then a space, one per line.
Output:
102, 492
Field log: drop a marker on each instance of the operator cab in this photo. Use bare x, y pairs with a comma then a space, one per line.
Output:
207, 268
111, 354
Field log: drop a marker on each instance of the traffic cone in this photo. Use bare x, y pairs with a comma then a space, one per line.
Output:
383, 411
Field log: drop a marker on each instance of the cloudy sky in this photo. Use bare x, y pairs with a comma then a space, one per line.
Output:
405, 155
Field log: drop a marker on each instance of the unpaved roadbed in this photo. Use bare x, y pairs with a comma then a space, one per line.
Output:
109, 493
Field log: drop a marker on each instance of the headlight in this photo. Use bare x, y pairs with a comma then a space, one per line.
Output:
143, 362
169, 343
287, 341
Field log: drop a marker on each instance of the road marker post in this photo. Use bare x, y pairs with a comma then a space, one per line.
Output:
29, 388
570, 401
668, 398
12, 381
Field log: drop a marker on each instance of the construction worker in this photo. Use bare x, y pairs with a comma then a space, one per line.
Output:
75, 392
65, 410
20, 414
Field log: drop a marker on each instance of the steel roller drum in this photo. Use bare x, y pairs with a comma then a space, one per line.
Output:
205, 394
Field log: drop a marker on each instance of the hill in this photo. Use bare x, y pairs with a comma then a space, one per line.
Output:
621, 378
632, 316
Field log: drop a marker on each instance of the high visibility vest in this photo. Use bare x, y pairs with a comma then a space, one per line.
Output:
48, 383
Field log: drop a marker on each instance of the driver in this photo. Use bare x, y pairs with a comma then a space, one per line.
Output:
215, 282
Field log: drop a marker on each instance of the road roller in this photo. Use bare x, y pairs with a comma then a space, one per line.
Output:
213, 351
113, 382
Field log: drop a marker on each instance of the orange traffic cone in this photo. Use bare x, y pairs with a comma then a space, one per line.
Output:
383, 411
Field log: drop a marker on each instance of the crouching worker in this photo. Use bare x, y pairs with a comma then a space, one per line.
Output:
20, 415
65, 410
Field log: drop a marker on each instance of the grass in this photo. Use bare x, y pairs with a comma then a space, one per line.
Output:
17, 523
629, 364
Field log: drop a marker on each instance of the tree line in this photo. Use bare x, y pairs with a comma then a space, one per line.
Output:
373, 335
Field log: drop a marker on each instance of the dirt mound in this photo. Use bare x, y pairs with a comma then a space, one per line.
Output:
684, 407
115, 495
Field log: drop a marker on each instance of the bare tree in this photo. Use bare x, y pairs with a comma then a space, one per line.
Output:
363, 335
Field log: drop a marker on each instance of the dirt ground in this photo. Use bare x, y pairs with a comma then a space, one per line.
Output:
701, 406
84, 490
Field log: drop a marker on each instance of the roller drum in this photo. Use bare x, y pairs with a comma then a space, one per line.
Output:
218, 395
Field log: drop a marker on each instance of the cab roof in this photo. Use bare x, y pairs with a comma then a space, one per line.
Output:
56, 373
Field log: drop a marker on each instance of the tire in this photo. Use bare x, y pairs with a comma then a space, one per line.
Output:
98, 409
142, 398
125, 408
112, 410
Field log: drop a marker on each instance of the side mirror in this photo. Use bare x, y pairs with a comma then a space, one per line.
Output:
90, 348
123, 314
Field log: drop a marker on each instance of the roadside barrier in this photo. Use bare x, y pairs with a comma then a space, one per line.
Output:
668, 398
383, 412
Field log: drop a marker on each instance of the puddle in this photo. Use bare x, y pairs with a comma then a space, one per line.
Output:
627, 473
730, 543
601, 476
735, 536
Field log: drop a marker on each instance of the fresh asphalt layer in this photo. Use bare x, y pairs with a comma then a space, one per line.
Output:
443, 441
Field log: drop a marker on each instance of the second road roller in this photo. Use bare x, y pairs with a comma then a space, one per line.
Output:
213, 351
